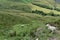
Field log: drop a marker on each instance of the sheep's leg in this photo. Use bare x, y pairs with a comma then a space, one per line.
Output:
53, 32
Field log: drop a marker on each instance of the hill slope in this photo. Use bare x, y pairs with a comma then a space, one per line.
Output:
17, 22
49, 4
14, 6
14, 21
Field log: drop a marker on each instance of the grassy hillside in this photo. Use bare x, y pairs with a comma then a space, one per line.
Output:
14, 6
22, 1
13, 21
46, 6
34, 8
17, 22
47, 2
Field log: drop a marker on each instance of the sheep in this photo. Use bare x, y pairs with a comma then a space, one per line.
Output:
36, 38
52, 28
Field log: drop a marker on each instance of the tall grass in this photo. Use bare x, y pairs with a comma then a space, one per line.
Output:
31, 22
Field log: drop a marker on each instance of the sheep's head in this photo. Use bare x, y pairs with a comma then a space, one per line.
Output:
47, 24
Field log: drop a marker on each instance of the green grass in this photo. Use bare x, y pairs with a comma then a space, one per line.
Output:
13, 14
30, 21
22, 7
10, 5
49, 3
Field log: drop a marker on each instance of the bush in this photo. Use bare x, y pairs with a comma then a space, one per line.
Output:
44, 6
52, 14
47, 7
44, 14
57, 9
39, 12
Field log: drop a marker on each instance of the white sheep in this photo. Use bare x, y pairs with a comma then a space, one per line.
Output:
52, 28
36, 38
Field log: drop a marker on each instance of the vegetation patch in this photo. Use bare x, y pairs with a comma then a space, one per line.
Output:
47, 7
44, 14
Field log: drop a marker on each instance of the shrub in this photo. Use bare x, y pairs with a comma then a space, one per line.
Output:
39, 12
47, 7
44, 6
52, 14
44, 14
